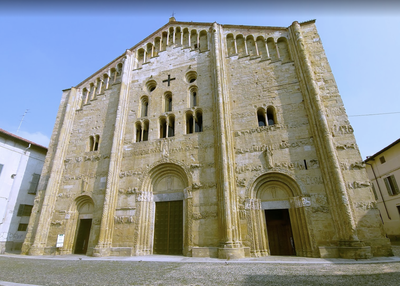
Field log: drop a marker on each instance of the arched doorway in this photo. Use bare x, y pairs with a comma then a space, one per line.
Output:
168, 224
84, 224
163, 211
279, 225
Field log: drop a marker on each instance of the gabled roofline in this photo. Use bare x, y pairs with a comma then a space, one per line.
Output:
8, 134
371, 158
173, 22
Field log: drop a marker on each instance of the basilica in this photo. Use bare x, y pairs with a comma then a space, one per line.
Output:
208, 140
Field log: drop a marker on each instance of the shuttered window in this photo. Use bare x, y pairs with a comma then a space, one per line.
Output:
24, 210
34, 184
391, 185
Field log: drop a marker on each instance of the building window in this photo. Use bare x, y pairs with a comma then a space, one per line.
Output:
144, 106
168, 102
22, 226
34, 184
391, 185
261, 117
24, 210
138, 132
189, 123
194, 99
171, 126
198, 124
398, 209
271, 116
163, 127
94, 143
382, 159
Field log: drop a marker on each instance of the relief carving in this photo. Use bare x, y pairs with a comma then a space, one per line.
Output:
123, 219
204, 215
346, 146
268, 156
252, 204
338, 130
358, 184
366, 205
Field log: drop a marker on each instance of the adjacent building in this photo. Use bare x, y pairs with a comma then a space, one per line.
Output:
208, 140
21, 163
383, 170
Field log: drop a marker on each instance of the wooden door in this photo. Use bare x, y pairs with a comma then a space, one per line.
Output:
168, 229
279, 229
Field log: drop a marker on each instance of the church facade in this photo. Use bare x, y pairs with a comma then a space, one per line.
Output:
208, 140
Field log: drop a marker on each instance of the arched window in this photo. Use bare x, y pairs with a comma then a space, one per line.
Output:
262, 50
157, 46
193, 39
119, 69
194, 98
144, 107
251, 47
164, 41
140, 58
113, 77
99, 84
261, 117
163, 127
146, 131
189, 123
271, 117
178, 36
241, 49
185, 38
106, 81
272, 49
171, 126
96, 143
168, 102
283, 49
138, 132
85, 97
230, 42
149, 51
203, 45
171, 36
198, 126
92, 91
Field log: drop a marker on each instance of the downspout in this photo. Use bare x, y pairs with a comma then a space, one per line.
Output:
380, 191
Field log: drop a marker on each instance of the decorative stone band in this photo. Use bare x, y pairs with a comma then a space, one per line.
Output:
188, 193
252, 204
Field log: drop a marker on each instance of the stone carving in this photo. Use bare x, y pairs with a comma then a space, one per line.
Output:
144, 196
123, 219
57, 223
276, 146
196, 185
187, 192
241, 182
345, 146
307, 180
129, 191
252, 204
84, 183
353, 166
357, 184
165, 148
320, 209
338, 130
129, 173
268, 156
302, 202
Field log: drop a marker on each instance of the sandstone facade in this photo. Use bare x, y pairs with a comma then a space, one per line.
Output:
208, 140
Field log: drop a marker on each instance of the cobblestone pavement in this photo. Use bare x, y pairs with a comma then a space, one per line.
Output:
122, 272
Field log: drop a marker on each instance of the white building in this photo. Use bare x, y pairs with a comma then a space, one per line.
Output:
21, 162
384, 172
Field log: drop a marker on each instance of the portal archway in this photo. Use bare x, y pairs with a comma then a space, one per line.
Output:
277, 214
163, 208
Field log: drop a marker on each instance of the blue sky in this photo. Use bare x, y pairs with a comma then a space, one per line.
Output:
53, 45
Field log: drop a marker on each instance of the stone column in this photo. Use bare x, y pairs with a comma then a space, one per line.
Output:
104, 244
231, 246
340, 207
39, 223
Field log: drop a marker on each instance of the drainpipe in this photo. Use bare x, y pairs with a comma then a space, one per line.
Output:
380, 191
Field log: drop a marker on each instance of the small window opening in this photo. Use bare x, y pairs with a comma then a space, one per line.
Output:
382, 159
261, 118
271, 116
171, 126
199, 122
189, 123
163, 128
138, 132
146, 131
96, 143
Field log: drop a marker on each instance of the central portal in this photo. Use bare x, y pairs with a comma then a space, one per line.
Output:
168, 229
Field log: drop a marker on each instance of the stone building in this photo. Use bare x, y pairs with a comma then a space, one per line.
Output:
208, 140
383, 169
21, 162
